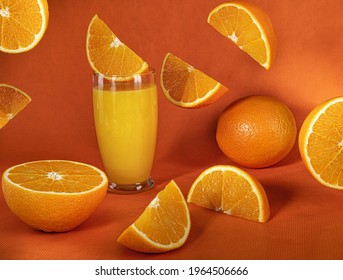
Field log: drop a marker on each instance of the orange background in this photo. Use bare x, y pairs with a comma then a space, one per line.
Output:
306, 218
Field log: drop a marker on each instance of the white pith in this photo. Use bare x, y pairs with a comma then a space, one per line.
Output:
5, 12
190, 69
54, 176
155, 203
116, 43
234, 38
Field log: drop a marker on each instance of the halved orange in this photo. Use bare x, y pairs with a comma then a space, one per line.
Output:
163, 226
185, 86
54, 195
321, 143
22, 24
108, 55
230, 190
12, 101
248, 26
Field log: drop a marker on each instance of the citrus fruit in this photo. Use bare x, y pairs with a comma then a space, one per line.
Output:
248, 27
53, 195
12, 101
163, 226
256, 131
321, 143
230, 190
187, 87
22, 24
108, 55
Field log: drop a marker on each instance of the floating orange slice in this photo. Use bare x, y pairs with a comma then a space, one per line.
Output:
248, 27
321, 143
108, 55
54, 195
12, 101
230, 190
187, 87
163, 226
22, 24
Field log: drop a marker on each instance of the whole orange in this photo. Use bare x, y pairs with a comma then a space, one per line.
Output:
256, 131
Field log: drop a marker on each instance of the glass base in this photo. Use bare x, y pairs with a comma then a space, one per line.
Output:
131, 188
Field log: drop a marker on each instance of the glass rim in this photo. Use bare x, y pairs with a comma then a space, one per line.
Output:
151, 71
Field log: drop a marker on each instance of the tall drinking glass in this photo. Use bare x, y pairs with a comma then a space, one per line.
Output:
125, 115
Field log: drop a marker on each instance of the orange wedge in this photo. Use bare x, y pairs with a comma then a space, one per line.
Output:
54, 195
187, 87
108, 55
12, 101
163, 226
230, 190
248, 27
22, 24
3, 119
321, 143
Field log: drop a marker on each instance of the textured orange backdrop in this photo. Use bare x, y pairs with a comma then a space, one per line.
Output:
306, 218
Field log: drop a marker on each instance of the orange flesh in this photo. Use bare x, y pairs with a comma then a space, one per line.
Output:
325, 145
55, 177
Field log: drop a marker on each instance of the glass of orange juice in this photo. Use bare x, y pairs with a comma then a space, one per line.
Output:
125, 115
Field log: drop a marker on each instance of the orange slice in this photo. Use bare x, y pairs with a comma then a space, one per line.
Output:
230, 190
12, 101
321, 143
163, 226
108, 55
53, 195
187, 87
22, 24
248, 27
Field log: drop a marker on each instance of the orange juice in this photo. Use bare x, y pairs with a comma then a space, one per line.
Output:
126, 127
